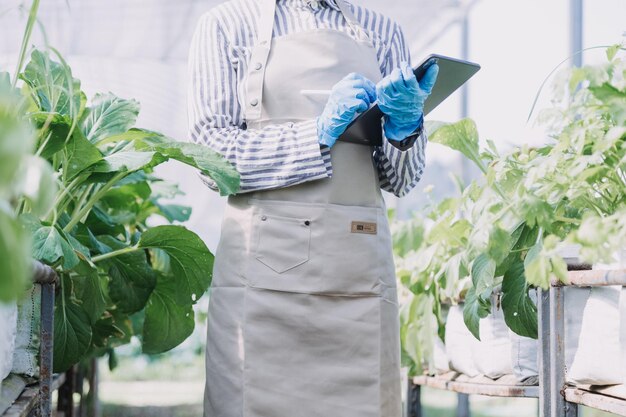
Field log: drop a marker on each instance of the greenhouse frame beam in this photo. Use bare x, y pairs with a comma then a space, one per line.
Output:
576, 31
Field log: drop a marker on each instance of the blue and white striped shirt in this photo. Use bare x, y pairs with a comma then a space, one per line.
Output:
281, 155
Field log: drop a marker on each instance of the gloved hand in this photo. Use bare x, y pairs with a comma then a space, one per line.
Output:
350, 96
401, 98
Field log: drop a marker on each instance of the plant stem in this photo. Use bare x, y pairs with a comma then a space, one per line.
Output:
82, 198
114, 253
32, 17
92, 201
64, 193
566, 220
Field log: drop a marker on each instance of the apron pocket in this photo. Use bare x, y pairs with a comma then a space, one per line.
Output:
284, 242
321, 249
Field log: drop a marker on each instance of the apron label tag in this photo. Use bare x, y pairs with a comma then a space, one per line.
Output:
364, 227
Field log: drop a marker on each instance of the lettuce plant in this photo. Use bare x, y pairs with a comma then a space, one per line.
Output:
77, 190
507, 230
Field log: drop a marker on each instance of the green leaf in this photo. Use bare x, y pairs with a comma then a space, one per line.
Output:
475, 309
408, 236
507, 263
100, 223
129, 161
483, 276
520, 313
168, 322
81, 154
461, 136
90, 288
16, 136
607, 92
174, 212
191, 261
209, 162
72, 330
52, 82
537, 267
15, 267
78, 247
108, 115
612, 51
49, 246
419, 329
105, 329
132, 279
499, 246
57, 133
37, 184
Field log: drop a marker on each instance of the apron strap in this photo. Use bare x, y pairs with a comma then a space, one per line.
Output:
261, 53
258, 60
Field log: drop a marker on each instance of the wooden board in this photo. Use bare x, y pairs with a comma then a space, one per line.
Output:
28, 400
594, 278
12, 388
595, 400
502, 387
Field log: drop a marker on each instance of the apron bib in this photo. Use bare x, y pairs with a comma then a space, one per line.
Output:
303, 316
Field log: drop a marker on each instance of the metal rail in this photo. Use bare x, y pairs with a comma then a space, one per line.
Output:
36, 400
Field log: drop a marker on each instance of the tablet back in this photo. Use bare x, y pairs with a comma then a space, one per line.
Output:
453, 73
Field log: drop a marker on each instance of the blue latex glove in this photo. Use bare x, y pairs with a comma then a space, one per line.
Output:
401, 98
350, 96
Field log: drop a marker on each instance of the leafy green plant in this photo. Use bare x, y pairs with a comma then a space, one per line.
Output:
506, 232
118, 276
23, 177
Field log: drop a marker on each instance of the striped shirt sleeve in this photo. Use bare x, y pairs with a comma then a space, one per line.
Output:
399, 171
274, 156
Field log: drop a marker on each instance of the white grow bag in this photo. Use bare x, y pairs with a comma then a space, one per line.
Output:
491, 356
599, 357
459, 343
524, 351
26, 354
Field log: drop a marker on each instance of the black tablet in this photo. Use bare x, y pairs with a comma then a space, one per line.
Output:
453, 73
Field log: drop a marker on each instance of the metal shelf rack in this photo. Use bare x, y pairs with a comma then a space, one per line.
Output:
35, 400
556, 397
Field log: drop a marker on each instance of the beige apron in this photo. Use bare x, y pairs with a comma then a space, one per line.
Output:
303, 317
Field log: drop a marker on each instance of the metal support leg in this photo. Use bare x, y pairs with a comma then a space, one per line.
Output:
414, 400
47, 334
559, 407
576, 14
463, 406
543, 353
66, 394
92, 405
